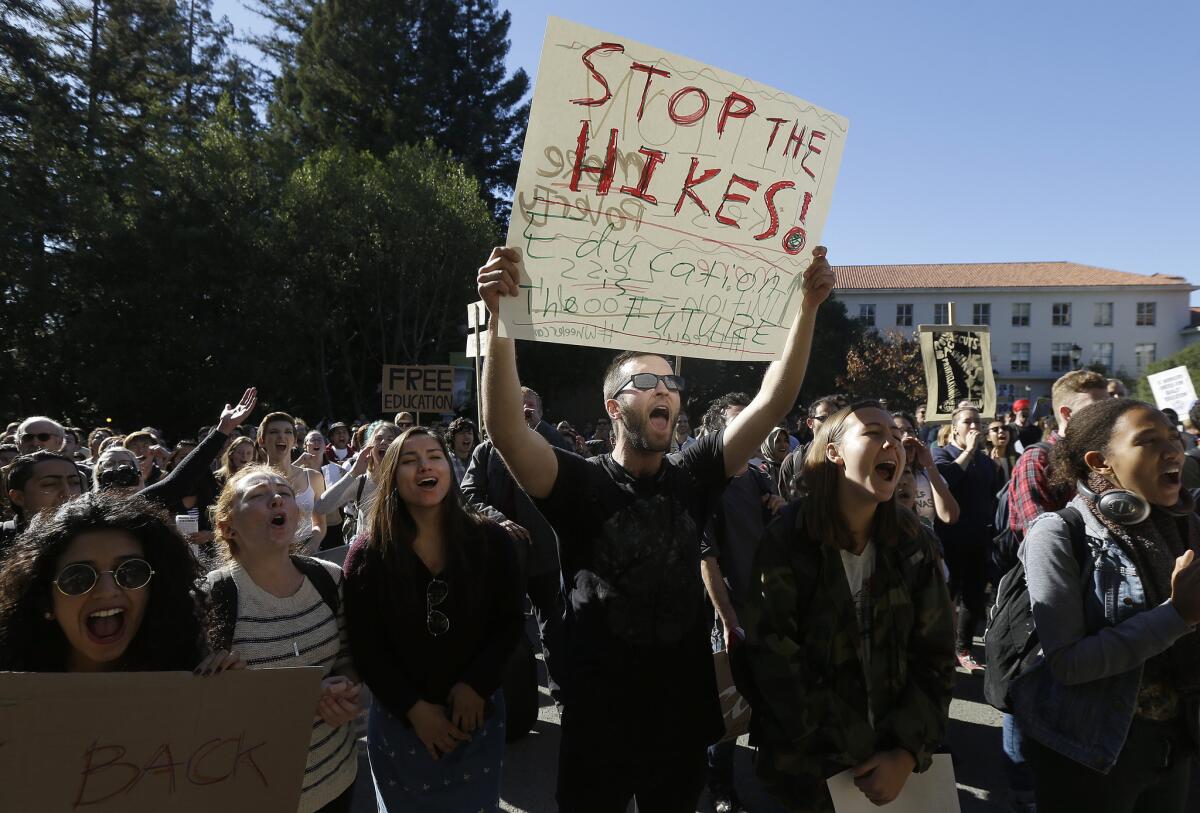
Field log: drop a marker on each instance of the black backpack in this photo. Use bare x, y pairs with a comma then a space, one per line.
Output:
1011, 640
223, 597
1005, 543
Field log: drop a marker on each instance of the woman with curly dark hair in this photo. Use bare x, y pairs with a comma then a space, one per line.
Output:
103, 583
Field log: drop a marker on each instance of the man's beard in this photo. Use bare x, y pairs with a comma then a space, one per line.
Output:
635, 429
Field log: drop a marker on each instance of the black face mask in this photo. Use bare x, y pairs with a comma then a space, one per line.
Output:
120, 477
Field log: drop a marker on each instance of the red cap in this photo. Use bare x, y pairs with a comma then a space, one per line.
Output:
1020, 403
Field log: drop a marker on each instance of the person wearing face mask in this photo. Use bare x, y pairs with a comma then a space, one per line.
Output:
974, 480
104, 583
433, 601
1109, 709
280, 610
848, 661
277, 439
642, 702
354, 492
37, 482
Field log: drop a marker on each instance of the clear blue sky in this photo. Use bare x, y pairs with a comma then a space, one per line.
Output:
979, 131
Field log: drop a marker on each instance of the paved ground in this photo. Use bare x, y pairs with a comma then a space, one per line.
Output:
974, 740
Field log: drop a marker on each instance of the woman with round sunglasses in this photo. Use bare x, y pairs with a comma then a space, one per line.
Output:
281, 610
434, 605
103, 583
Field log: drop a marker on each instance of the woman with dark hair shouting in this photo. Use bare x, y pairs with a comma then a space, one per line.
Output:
850, 644
433, 602
103, 583
1109, 707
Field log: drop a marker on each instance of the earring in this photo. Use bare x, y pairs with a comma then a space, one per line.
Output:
49, 615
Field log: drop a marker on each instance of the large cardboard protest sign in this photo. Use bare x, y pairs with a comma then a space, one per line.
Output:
958, 367
147, 742
664, 204
1173, 389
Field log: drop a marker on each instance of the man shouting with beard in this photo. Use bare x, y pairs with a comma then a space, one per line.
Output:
641, 694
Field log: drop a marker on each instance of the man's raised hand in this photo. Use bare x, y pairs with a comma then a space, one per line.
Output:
499, 277
818, 278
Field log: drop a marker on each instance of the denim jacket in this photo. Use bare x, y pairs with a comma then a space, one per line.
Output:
1096, 631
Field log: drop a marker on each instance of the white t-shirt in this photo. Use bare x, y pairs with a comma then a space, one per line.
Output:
341, 454
859, 570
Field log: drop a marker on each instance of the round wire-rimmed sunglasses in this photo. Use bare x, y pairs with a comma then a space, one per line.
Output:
79, 578
436, 621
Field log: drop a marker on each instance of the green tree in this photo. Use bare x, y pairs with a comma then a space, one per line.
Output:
1187, 357
376, 74
378, 252
885, 365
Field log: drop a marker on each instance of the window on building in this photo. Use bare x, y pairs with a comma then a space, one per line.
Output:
1146, 314
941, 313
904, 316
1020, 357
1060, 357
1104, 312
1020, 316
1060, 314
1102, 353
981, 313
1144, 355
866, 315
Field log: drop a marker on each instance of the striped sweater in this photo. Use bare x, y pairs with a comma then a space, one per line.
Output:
300, 630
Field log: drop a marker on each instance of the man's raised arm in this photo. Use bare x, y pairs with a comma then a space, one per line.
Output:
528, 456
781, 383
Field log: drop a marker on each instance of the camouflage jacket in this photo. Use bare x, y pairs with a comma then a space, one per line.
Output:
801, 672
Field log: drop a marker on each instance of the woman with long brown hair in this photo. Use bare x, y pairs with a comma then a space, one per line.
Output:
849, 656
433, 603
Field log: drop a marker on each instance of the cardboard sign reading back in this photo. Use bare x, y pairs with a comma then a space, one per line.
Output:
144, 742
958, 367
663, 204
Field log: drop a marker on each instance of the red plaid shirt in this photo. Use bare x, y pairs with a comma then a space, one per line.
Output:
1029, 490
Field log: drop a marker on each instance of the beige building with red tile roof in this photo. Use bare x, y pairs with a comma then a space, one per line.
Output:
1046, 318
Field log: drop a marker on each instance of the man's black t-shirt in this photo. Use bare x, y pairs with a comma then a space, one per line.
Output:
639, 662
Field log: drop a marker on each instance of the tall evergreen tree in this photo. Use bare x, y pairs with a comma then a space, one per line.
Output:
374, 74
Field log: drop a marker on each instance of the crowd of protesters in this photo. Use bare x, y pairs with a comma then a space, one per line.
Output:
842, 559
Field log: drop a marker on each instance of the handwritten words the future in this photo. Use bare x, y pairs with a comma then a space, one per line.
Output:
686, 107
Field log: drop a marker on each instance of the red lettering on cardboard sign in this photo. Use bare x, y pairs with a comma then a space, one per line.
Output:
653, 159
728, 111
774, 130
811, 149
772, 212
599, 77
734, 197
693, 181
690, 118
91, 769
650, 72
605, 172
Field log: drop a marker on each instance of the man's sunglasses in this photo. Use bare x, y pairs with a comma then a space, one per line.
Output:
648, 381
79, 578
40, 437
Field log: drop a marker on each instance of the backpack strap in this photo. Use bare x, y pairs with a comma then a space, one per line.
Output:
1079, 542
320, 578
223, 601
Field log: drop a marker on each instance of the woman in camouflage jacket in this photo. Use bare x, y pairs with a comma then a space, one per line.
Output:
849, 659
